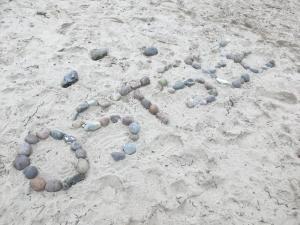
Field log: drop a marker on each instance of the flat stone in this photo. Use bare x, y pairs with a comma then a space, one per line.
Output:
129, 148
145, 81
21, 161
91, 125
115, 118
99, 53
171, 90
69, 79
151, 51
199, 80
53, 186
31, 139
117, 156
178, 85
82, 166
146, 103
30, 172
25, 149
57, 134
221, 64
38, 184
103, 103
134, 128
82, 107
80, 153
104, 121
189, 82
196, 65
127, 120
189, 60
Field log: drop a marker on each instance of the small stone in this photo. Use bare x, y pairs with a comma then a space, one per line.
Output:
75, 146
25, 149
213, 92
196, 65
69, 79
189, 82
77, 124
208, 86
222, 81
151, 51
200, 80
92, 102
104, 121
236, 83
178, 85
171, 90
271, 64
163, 82
210, 99
145, 81
30, 172
162, 117
69, 139
31, 139
103, 103
127, 120
221, 64
115, 118
21, 162
146, 103
134, 137
57, 134
53, 186
97, 54
190, 103
135, 84
245, 77
137, 94
189, 60
116, 96
69, 182
38, 184
134, 128
129, 148
80, 153
43, 133
153, 109
91, 125
210, 71
163, 69
125, 90
117, 156
82, 166
82, 107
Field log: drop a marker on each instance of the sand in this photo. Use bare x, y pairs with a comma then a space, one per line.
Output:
231, 162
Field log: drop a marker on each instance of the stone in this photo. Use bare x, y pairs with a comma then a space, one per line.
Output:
153, 109
91, 125
171, 90
69, 79
115, 118
117, 156
30, 172
43, 134
69, 182
163, 117
210, 98
178, 85
213, 92
53, 185
77, 124
69, 139
189, 60
146, 103
75, 146
129, 148
92, 102
134, 128
31, 139
163, 82
199, 80
189, 82
222, 81
103, 103
25, 149
115, 96
38, 184
134, 137
190, 103
151, 51
135, 84
125, 90
127, 120
145, 81
208, 86
138, 95
221, 64
21, 161
80, 153
196, 65
99, 53
223, 43
57, 134
82, 107
271, 64
245, 77
82, 166
104, 121
236, 83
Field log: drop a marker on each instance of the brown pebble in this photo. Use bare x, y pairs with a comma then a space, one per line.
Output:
104, 121
153, 109
31, 139
43, 133
38, 184
53, 186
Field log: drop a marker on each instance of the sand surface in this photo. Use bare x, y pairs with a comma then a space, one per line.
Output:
234, 161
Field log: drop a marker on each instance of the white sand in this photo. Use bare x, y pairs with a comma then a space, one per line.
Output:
217, 164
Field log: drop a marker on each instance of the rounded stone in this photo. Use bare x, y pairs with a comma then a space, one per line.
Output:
171, 90
146, 103
117, 156
30, 172
151, 51
31, 139
236, 83
91, 125
57, 134
53, 185
104, 121
153, 109
125, 90
82, 107
145, 81
196, 65
163, 82
21, 161
189, 82
210, 99
271, 64
129, 148
82, 166
75, 146
38, 184
127, 120
134, 137
25, 149
80, 153
178, 85
137, 94
245, 77
134, 128
208, 86
115, 118
213, 92
97, 54
43, 133
163, 117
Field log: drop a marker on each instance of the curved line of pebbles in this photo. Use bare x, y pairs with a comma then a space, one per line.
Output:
132, 85
38, 183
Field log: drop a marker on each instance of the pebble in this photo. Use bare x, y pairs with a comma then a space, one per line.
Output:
91, 125
116, 96
210, 99
77, 124
82, 166
190, 103
145, 81
135, 84
53, 186
178, 85
151, 51
43, 133
69, 139
163, 117
104, 121
146, 103
38, 184
196, 65
69, 79
245, 77
115, 118
221, 64
31, 139
80, 153
163, 82
117, 156
153, 109
134, 128
57, 134
129, 148
189, 60
82, 107
103, 103
222, 81
137, 94
125, 90
200, 80
75, 146
189, 82
21, 161
92, 102
236, 83
208, 86
25, 149
97, 54
171, 90
30, 172
213, 92
69, 182
223, 43
134, 137
127, 120
271, 64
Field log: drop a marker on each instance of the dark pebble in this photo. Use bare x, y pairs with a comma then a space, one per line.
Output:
245, 77
146, 103
210, 99
30, 172
151, 51
21, 162
117, 156
213, 92
69, 182
208, 86
75, 145
196, 65
145, 81
53, 186
97, 54
178, 85
127, 120
69, 79
69, 139
271, 64
115, 118
138, 95
57, 134
189, 82
125, 90
80, 153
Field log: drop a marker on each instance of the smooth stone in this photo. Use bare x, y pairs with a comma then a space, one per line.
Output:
69, 139
171, 90
80, 153
145, 81
91, 125
190, 103
92, 102
117, 156
104, 121
77, 124
178, 85
25, 149
137, 94
153, 109
30, 172
134, 128
125, 90
69, 182
271, 64
43, 133
31, 139
213, 92
82, 107
53, 186
236, 83
146, 103
75, 146
38, 184
163, 117
200, 80
134, 137
115, 118
196, 65
57, 134
245, 77
82, 166
189, 60
135, 84
127, 120
210, 99
103, 103
151, 51
189, 82
129, 148
208, 86
116, 96
21, 161
69, 79
97, 54
163, 82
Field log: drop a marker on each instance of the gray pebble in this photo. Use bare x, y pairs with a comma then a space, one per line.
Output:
115, 118
31, 139
21, 161
236, 83
189, 82
69, 182
82, 166
151, 51
196, 65
30, 172
25, 149
245, 77
80, 153
138, 95
91, 125
126, 120
134, 137
57, 134
129, 148
103, 103
210, 71
97, 54
75, 146
53, 186
221, 64
117, 156
134, 128
208, 86
82, 107
125, 90
213, 92
178, 85
210, 99
271, 64
69, 139
223, 43
69, 79
237, 58
146, 103
145, 81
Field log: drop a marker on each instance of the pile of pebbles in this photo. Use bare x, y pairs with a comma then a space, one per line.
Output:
38, 183
132, 85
